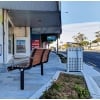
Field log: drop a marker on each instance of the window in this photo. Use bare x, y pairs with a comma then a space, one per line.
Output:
20, 46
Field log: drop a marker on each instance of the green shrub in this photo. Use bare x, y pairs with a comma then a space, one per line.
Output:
66, 87
83, 93
62, 58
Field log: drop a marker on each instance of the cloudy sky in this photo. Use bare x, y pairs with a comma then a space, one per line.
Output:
80, 11
81, 16
88, 29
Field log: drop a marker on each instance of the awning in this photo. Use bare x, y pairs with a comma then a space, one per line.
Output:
40, 21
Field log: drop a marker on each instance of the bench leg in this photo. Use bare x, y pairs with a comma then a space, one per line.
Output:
22, 79
41, 68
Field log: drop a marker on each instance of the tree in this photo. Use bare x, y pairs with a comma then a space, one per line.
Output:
84, 43
65, 46
97, 35
79, 38
96, 40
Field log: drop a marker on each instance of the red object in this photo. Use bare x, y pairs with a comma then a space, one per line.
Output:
35, 43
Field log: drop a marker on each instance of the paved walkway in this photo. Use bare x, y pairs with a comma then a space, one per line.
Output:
35, 83
93, 80
10, 83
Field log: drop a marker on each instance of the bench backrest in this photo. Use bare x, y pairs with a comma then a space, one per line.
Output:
45, 56
31, 57
36, 58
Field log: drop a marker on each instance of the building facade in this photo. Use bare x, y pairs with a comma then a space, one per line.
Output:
25, 25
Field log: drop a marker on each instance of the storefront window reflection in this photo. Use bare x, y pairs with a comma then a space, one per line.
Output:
20, 46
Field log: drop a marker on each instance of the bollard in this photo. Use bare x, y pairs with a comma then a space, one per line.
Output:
41, 68
22, 79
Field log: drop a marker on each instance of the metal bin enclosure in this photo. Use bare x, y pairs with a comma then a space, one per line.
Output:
74, 59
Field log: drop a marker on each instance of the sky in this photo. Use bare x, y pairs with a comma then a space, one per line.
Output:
80, 16
80, 11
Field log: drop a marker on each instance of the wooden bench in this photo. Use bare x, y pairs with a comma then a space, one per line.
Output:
45, 56
38, 57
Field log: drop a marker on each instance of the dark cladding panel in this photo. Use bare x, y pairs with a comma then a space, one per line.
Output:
34, 18
47, 30
29, 5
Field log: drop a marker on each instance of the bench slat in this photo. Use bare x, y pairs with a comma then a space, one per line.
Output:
37, 57
45, 56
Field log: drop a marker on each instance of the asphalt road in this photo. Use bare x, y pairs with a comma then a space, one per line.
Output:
92, 58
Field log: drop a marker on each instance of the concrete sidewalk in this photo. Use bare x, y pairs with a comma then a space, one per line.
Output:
92, 78
35, 84
10, 83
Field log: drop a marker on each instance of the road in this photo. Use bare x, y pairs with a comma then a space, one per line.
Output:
91, 58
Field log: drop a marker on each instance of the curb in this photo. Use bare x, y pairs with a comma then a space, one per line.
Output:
92, 85
40, 92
